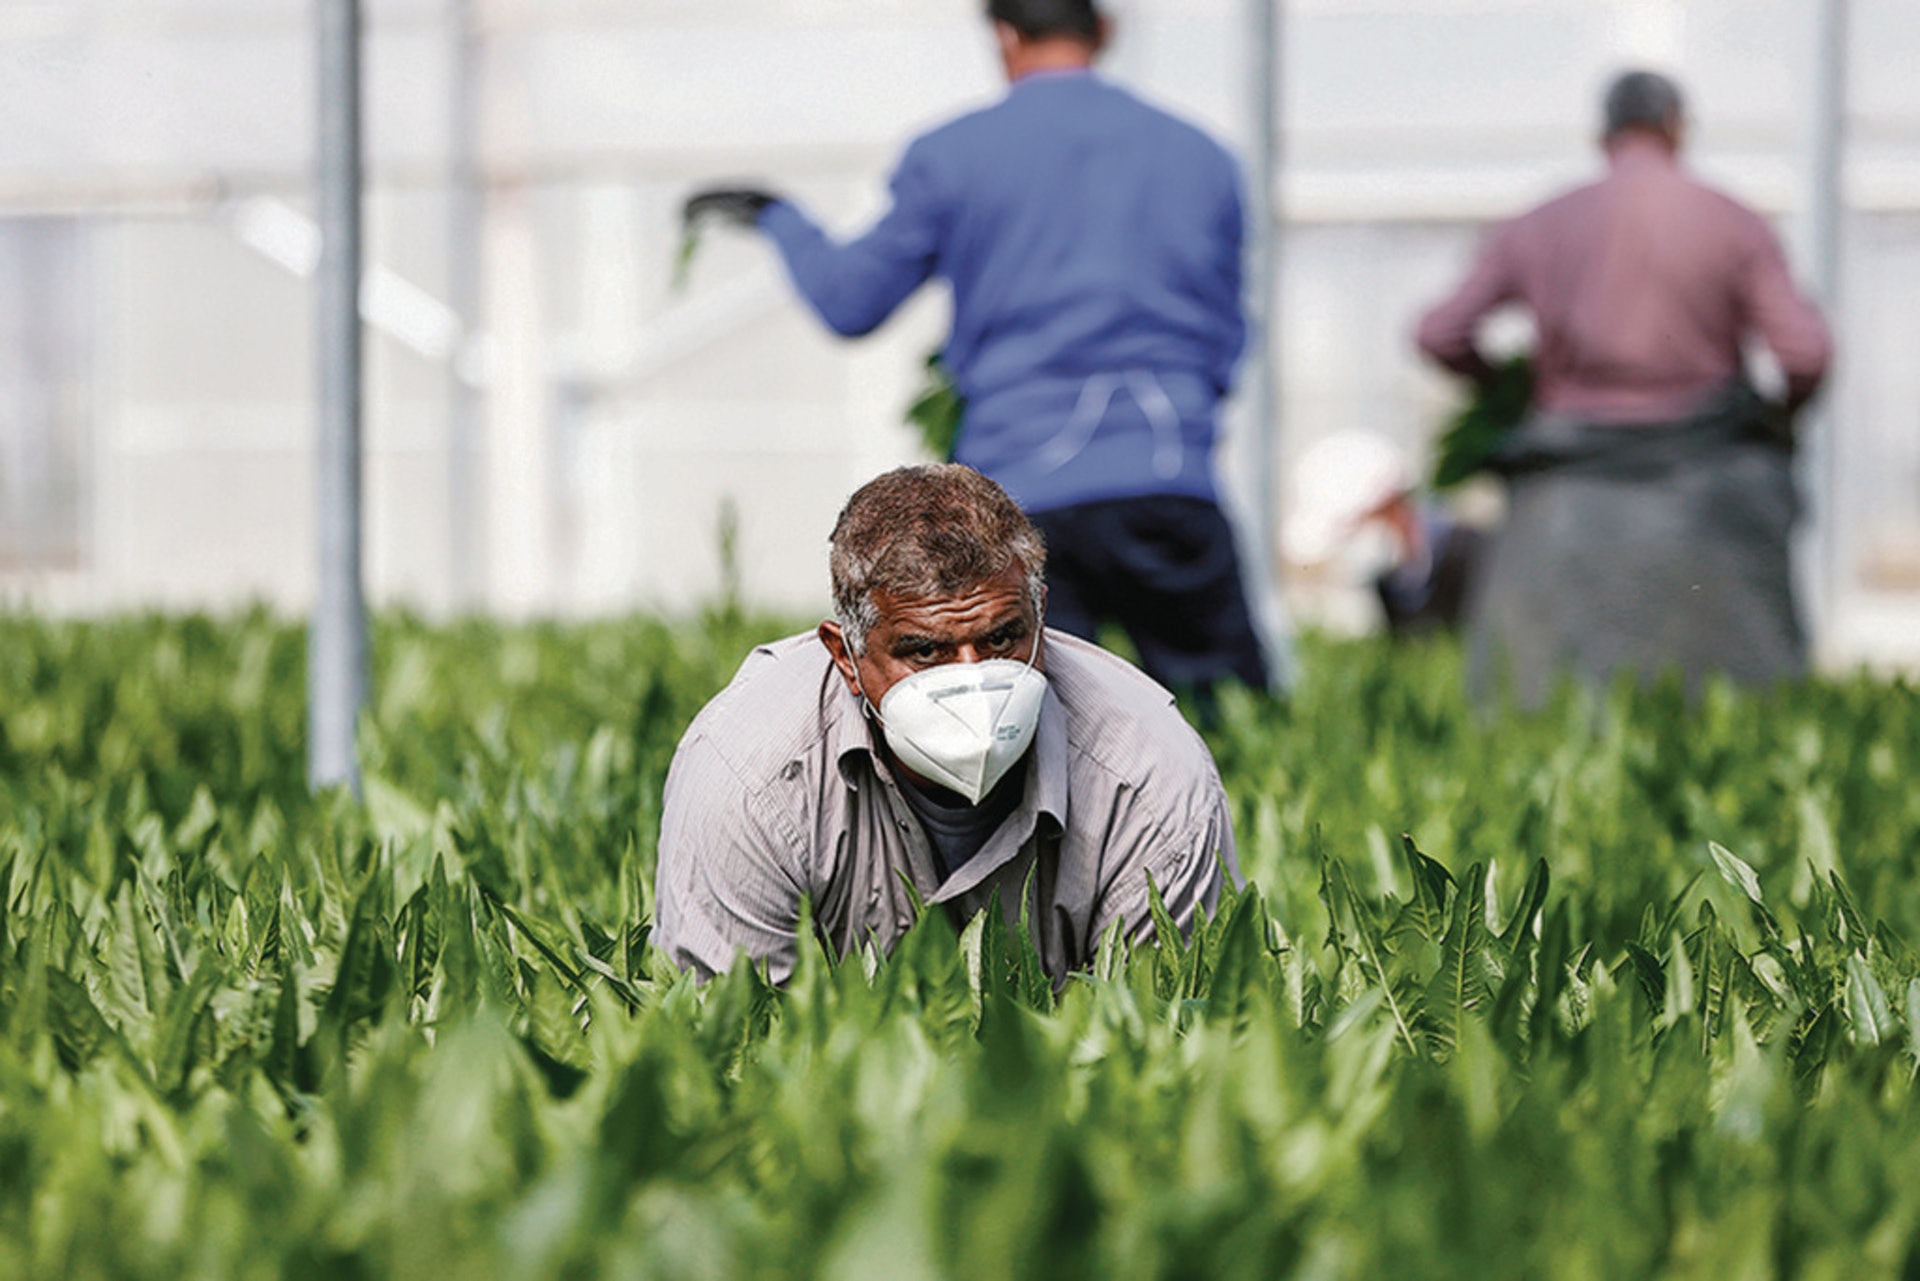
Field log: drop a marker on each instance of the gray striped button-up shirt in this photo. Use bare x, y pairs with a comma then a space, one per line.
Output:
777, 793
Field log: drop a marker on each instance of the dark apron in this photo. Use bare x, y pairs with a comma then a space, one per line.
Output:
1645, 547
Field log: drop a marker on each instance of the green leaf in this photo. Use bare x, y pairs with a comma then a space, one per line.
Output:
1651, 974
1717, 981
1736, 872
1809, 1046
78, 1031
1554, 963
1240, 956
973, 952
561, 967
1035, 988
1459, 989
1518, 933
1172, 969
419, 943
1854, 933
289, 1063
1433, 887
1166, 932
1913, 1020
366, 972
183, 1034
1372, 954
1868, 1009
137, 981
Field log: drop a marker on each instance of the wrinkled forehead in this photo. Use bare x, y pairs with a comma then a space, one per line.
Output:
983, 602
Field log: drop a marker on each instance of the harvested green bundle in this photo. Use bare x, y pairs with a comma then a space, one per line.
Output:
937, 409
1495, 408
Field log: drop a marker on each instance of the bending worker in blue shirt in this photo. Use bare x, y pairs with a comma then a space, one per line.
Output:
1092, 244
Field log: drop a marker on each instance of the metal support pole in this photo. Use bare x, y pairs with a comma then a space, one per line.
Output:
1826, 145
1261, 380
1824, 213
465, 210
1264, 38
337, 647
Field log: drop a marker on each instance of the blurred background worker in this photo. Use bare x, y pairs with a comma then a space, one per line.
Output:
1356, 518
1093, 247
1650, 489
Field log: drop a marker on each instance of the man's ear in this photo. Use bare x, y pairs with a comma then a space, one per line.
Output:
1039, 639
1007, 37
836, 642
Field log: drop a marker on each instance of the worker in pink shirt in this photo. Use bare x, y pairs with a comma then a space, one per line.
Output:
1650, 489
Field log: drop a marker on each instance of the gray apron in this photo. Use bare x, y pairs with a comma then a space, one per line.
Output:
1642, 547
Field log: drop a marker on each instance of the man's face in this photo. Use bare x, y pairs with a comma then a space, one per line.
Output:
992, 620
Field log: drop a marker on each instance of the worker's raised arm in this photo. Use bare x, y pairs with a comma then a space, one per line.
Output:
855, 286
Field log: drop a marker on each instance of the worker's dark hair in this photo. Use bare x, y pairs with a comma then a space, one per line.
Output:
913, 533
1036, 18
1640, 100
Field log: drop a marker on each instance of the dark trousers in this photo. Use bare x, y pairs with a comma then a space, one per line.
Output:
1163, 567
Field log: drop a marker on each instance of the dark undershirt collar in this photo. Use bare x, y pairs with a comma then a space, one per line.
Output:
956, 830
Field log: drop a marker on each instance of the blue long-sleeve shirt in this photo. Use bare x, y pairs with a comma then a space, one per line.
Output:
1092, 244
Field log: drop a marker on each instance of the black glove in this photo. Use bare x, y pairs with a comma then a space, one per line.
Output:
740, 206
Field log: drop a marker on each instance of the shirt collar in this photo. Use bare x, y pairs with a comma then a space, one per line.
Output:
849, 732
1049, 783
1051, 75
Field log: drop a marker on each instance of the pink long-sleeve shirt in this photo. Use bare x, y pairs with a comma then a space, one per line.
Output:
1642, 286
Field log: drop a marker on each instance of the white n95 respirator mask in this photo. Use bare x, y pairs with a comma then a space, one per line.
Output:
964, 725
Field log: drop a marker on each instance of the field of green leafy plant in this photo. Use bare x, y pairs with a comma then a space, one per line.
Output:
1625, 989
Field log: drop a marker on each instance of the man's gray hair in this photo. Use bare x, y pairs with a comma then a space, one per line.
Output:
920, 532
1641, 100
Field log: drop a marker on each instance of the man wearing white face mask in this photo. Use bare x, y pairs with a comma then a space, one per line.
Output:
932, 739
